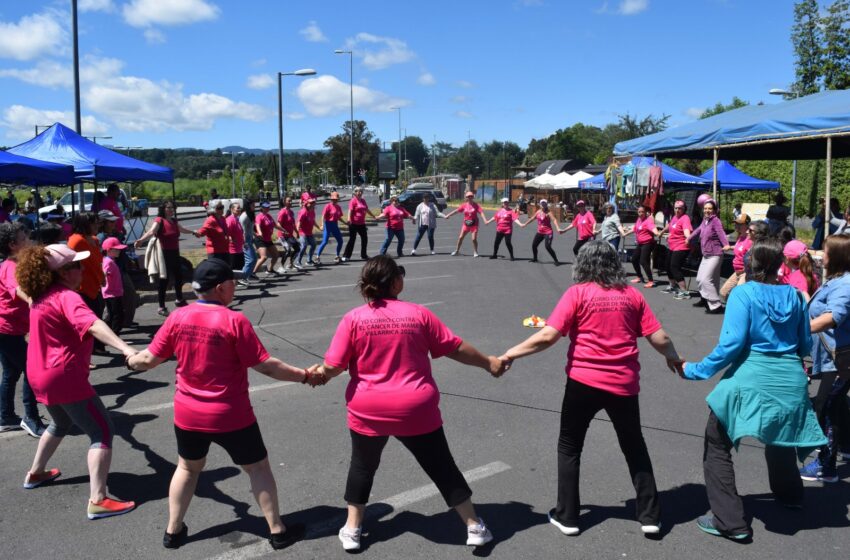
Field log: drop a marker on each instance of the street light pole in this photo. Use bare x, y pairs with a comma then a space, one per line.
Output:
351, 121
399, 137
793, 95
281, 182
233, 172
303, 163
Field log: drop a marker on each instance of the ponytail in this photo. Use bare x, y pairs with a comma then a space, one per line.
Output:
807, 268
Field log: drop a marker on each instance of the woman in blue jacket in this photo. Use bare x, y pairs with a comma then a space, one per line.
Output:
763, 394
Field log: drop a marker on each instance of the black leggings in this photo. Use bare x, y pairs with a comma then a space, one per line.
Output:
640, 258
830, 404
115, 313
172, 270
353, 231
674, 269
538, 237
430, 450
508, 244
579, 244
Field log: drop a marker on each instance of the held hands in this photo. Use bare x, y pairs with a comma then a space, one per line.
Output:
498, 366
677, 366
315, 375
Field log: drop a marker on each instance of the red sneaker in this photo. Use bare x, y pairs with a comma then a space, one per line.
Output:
34, 480
108, 508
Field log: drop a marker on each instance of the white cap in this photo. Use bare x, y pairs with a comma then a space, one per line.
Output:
506, 200
543, 201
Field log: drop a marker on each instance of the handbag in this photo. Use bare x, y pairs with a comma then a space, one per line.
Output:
469, 222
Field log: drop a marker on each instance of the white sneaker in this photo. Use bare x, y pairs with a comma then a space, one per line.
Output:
454, 253
344, 259
569, 531
651, 529
350, 538
433, 252
412, 252
478, 535
474, 255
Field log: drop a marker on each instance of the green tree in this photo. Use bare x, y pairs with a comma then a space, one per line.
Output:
806, 36
719, 107
414, 150
365, 151
836, 46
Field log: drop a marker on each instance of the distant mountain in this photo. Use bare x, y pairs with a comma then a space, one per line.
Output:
260, 151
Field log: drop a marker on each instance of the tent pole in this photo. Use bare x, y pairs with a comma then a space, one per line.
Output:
174, 197
714, 180
826, 206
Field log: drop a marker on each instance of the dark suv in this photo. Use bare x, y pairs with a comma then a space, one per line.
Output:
409, 200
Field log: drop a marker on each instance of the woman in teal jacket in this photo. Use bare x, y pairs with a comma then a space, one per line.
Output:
763, 393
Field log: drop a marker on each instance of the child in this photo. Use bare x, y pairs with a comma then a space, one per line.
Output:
113, 290
799, 263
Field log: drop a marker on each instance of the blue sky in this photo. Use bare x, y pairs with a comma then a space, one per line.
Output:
202, 73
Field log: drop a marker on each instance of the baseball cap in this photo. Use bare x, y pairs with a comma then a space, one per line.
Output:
469, 193
679, 204
106, 215
742, 219
794, 249
59, 255
543, 201
265, 205
580, 203
112, 243
210, 273
506, 200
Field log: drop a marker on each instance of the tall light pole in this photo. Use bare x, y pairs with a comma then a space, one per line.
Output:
303, 163
793, 95
281, 182
233, 172
399, 137
351, 121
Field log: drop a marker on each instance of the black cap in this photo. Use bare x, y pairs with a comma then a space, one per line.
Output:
210, 273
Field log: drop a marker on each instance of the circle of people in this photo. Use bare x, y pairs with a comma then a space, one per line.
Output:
770, 326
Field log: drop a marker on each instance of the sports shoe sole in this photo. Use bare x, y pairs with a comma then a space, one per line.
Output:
716, 533
93, 516
651, 529
29, 430
569, 531
31, 485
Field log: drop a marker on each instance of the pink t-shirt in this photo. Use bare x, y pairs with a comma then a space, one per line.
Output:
357, 208
643, 230
60, 347
470, 211
584, 224
741, 248
214, 346
784, 272
265, 223
331, 213
395, 217
798, 280
505, 220
14, 312
385, 346
544, 222
677, 228
603, 326
306, 221
215, 229
286, 220
237, 236
114, 286
111, 204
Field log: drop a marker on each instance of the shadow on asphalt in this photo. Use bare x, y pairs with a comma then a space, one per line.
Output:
126, 387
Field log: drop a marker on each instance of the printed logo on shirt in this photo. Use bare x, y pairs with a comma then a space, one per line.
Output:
392, 326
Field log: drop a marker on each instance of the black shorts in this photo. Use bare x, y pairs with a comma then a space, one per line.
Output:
244, 446
265, 244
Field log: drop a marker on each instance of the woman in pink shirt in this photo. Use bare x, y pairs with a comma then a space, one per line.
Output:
679, 228
384, 345
743, 243
62, 333
286, 235
306, 224
505, 219
237, 236
214, 229
645, 234
264, 226
584, 223
357, 210
603, 317
331, 216
214, 347
802, 275
471, 210
395, 216
546, 224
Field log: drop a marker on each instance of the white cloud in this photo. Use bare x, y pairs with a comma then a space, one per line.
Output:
144, 13
390, 50
31, 37
625, 7
694, 112
463, 114
51, 74
260, 81
459, 99
20, 121
294, 116
326, 95
154, 36
313, 34
259, 62
465, 84
95, 5
426, 79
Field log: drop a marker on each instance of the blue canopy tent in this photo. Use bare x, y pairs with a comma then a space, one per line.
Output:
26, 171
730, 178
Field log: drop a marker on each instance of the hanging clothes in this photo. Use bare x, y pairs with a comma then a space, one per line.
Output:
642, 180
656, 179
629, 179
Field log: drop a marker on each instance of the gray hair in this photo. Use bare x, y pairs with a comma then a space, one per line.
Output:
599, 262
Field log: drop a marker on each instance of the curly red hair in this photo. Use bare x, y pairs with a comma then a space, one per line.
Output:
32, 273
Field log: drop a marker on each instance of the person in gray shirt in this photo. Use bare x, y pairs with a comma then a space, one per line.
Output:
611, 228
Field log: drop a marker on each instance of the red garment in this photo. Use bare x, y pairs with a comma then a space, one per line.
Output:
286, 220
14, 312
656, 180
584, 224
395, 217
168, 234
306, 221
237, 236
215, 229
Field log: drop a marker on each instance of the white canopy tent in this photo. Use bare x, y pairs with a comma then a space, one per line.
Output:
572, 184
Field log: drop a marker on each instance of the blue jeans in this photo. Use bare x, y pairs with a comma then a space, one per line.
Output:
614, 242
398, 233
420, 232
250, 254
13, 356
307, 240
331, 228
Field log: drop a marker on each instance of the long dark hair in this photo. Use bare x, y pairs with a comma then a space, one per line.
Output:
765, 258
160, 212
838, 247
82, 223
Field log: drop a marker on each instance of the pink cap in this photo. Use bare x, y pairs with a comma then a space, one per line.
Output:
679, 204
703, 198
112, 243
60, 255
794, 249
580, 203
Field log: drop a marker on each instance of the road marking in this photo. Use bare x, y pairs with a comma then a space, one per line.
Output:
298, 321
336, 286
397, 502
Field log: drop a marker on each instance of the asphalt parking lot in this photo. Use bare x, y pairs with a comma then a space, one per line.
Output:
503, 434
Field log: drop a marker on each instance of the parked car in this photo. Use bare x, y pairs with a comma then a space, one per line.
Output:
65, 201
409, 200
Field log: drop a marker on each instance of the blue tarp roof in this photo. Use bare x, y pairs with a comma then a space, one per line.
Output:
26, 171
804, 122
60, 144
730, 178
673, 178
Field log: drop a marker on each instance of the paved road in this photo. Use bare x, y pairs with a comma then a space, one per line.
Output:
502, 432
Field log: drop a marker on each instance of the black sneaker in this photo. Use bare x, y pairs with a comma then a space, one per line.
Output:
33, 426
176, 540
294, 533
701, 303
10, 424
180, 303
